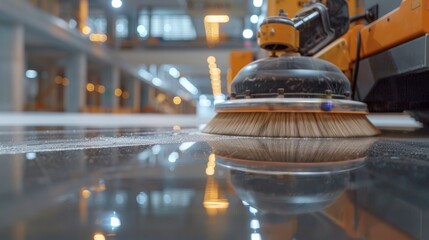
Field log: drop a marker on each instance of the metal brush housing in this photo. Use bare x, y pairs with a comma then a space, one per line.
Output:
291, 83
290, 76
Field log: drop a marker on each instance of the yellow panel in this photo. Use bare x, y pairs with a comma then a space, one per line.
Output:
355, 7
337, 53
82, 14
403, 24
279, 34
237, 60
290, 7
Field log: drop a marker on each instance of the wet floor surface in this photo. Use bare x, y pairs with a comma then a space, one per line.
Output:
132, 183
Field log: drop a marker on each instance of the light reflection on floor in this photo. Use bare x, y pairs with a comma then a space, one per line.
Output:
165, 183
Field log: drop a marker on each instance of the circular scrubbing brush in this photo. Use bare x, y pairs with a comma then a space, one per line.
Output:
293, 155
290, 176
290, 96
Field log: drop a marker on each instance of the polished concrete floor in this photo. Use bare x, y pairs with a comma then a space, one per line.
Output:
169, 181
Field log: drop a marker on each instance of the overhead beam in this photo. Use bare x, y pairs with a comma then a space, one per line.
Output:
175, 57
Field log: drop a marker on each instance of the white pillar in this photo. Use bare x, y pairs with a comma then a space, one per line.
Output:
111, 29
12, 67
110, 78
76, 73
137, 96
52, 98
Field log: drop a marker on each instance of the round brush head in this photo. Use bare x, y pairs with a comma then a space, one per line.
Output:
294, 155
291, 96
290, 176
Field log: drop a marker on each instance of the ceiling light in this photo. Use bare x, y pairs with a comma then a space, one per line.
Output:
118, 92
212, 65
90, 87
116, 3
214, 71
31, 73
97, 37
174, 72
157, 82
254, 18
120, 27
188, 85
86, 30
177, 100
142, 31
145, 74
210, 171
247, 33
160, 97
216, 18
142, 198
101, 89
115, 222
211, 60
257, 3
254, 224
253, 210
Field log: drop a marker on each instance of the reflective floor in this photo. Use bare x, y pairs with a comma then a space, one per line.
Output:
132, 183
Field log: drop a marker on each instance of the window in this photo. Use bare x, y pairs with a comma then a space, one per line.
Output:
97, 24
167, 25
121, 27
143, 26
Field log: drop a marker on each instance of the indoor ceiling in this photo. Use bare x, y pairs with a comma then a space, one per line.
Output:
195, 69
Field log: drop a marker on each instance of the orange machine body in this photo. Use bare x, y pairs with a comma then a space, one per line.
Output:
237, 60
407, 22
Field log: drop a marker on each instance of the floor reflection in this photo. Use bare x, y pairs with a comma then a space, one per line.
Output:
217, 188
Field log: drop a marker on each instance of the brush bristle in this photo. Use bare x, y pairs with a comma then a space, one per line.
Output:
293, 150
291, 124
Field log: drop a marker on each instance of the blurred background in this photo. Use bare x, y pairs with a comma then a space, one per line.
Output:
128, 56
131, 56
